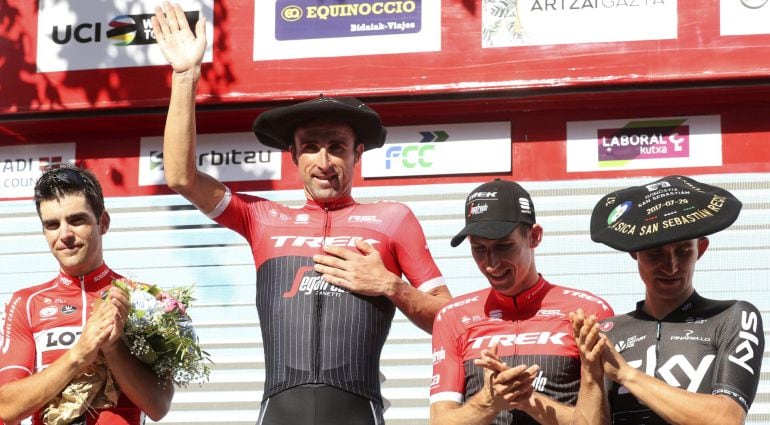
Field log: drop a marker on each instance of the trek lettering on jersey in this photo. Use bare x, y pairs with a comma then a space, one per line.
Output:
748, 336
527, 338
694, 374
455, 305
587, 297
319, 241
314, 283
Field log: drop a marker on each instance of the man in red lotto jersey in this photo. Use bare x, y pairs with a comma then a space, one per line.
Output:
53, 333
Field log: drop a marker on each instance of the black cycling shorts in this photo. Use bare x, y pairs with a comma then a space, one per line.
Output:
317, 404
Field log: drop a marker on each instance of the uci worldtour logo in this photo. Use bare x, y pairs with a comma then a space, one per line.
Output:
124, 30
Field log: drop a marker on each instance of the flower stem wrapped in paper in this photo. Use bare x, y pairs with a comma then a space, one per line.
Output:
158, 332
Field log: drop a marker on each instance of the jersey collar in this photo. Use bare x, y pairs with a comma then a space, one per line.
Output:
680, 313
95, 277
522, 300
336, 204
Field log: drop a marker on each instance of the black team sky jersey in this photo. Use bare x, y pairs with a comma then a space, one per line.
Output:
704, 346
530, 328
314, 332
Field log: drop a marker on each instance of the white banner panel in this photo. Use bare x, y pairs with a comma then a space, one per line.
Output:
540, 22
293, 29
74, 35
22, 165
647, 143
442, 149
744, 17
227, 157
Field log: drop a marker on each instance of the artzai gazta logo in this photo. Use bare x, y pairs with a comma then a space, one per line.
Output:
124, 30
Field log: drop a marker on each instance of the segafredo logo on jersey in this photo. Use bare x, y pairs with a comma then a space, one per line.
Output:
526, 338
448, 307
439, 355
319, 241
307, 282
587, 297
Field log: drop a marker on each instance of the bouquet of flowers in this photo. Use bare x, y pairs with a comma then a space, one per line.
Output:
159, 332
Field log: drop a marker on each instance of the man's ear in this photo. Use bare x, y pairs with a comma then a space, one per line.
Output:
633, 255
535, 235
703, 244
358, 151
104, 222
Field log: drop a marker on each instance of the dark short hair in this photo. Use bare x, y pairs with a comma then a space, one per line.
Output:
63, 179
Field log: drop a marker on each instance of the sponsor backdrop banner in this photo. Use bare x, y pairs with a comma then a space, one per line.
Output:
80, 56
538, 22
75, 35
22, 165
289, 29
649, 143
228, 157
442, 149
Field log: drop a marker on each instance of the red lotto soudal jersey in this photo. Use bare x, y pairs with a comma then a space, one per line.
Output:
44, 321
530, 328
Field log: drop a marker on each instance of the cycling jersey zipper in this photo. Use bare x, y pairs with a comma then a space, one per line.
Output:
658, 327
319, 306
83, 300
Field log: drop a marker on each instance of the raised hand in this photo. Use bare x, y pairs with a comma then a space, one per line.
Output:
181, 48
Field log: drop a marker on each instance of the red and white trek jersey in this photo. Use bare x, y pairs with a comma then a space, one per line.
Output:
530, 328
42, 322
314, 332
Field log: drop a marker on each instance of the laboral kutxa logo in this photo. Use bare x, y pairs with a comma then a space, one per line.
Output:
643, 139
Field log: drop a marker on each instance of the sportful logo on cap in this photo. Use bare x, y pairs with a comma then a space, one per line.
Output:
525, 206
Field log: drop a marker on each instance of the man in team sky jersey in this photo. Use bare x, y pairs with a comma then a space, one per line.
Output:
328, 273
505, 354
53, 333
678, 358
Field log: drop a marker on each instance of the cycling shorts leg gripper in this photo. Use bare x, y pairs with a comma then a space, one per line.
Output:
319, 405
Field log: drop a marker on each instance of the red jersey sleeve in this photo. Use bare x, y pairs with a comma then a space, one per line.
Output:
413, 254
448, 381
17, 349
